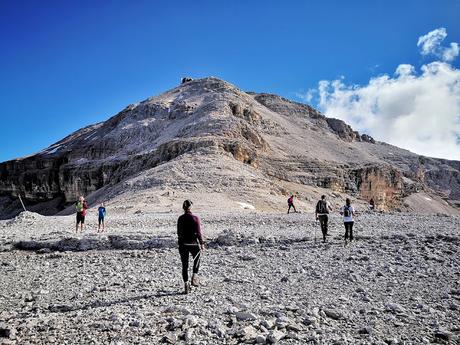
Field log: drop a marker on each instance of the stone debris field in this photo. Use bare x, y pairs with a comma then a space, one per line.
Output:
264, 279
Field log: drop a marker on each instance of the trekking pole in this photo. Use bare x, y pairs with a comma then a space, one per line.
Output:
354, 235
316, 225
20, 199
198, 255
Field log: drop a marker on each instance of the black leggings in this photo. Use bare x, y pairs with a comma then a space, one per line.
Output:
348, 230
184, 251
323, 221
289, 209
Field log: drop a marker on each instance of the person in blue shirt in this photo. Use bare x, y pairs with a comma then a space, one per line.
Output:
101, 211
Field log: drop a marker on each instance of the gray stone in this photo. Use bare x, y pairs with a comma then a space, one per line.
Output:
268, 324
135, 323
245, 316
275, 336
443, 334
7, 331
333, 314
395, 308
189, 335
248, 257
295, 327
248, 332
282, 321
309, 321
365, 330
169, 339
190, 321
261, 339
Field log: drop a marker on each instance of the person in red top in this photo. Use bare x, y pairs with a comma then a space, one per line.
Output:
190, 241
291, 204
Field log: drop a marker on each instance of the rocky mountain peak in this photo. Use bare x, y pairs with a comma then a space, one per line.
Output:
209, 120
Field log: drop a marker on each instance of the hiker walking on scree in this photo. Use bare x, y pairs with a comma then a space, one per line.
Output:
371, 204
190, 241
290, 202
348, 212
101, 217
81, 206
322, 210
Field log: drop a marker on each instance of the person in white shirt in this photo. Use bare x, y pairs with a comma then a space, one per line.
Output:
348, 212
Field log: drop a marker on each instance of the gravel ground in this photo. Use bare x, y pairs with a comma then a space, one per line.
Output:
264, 279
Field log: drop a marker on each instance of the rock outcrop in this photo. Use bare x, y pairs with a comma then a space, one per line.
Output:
279, 139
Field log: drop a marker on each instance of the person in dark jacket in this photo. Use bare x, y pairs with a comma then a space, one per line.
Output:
372, 204
190, 241
322, 210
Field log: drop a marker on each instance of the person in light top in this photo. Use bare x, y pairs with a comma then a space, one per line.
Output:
348, 212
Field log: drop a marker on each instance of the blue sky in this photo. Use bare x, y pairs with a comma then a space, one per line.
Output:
67, 64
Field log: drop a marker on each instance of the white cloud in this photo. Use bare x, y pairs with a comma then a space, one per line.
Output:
449, 54
405, 70
430, 44
416, 110
308, 96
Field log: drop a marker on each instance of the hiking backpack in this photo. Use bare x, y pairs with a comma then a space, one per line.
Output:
346, 211
321, 207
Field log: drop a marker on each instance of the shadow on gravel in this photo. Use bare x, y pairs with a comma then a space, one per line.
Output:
140, 242
64, 308
227, 238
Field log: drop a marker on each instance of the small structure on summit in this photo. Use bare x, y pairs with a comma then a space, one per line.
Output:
186, 80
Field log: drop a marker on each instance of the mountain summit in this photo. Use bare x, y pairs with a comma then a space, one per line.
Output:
208, 139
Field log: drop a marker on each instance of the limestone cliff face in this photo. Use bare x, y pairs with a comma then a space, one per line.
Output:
382, 184
283, 140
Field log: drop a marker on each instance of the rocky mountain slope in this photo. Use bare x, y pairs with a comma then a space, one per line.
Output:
231, 149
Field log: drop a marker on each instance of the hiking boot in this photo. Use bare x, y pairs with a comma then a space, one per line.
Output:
195, 280
187, 288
